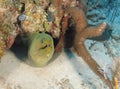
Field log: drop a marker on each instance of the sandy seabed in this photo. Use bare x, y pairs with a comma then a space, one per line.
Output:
67, 71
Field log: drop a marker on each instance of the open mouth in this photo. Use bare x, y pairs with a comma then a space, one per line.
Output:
43, 47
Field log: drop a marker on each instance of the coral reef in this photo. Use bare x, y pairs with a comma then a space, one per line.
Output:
116, 74
83, 31
8, 31
2, 41
37, 17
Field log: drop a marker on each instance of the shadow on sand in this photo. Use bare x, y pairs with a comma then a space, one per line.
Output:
20, 51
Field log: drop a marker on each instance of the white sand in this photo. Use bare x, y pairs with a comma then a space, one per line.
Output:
68, 71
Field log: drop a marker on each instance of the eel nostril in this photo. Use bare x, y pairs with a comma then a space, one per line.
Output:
21, 17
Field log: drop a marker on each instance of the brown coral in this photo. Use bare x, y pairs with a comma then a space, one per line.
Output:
116, 74
83, 31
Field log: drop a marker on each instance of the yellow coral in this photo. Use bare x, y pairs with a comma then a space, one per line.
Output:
116, 83
1, 53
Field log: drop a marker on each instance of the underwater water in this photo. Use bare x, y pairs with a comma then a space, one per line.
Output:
106, 11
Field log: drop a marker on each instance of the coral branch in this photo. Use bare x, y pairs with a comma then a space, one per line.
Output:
82, 51
60, 44
78, 16
58, 6
82, 33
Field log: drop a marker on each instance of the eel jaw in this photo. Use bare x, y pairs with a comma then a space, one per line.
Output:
43, 47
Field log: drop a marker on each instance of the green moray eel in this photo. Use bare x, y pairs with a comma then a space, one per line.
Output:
41, 49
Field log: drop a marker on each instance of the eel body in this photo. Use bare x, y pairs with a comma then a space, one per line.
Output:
41, 49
